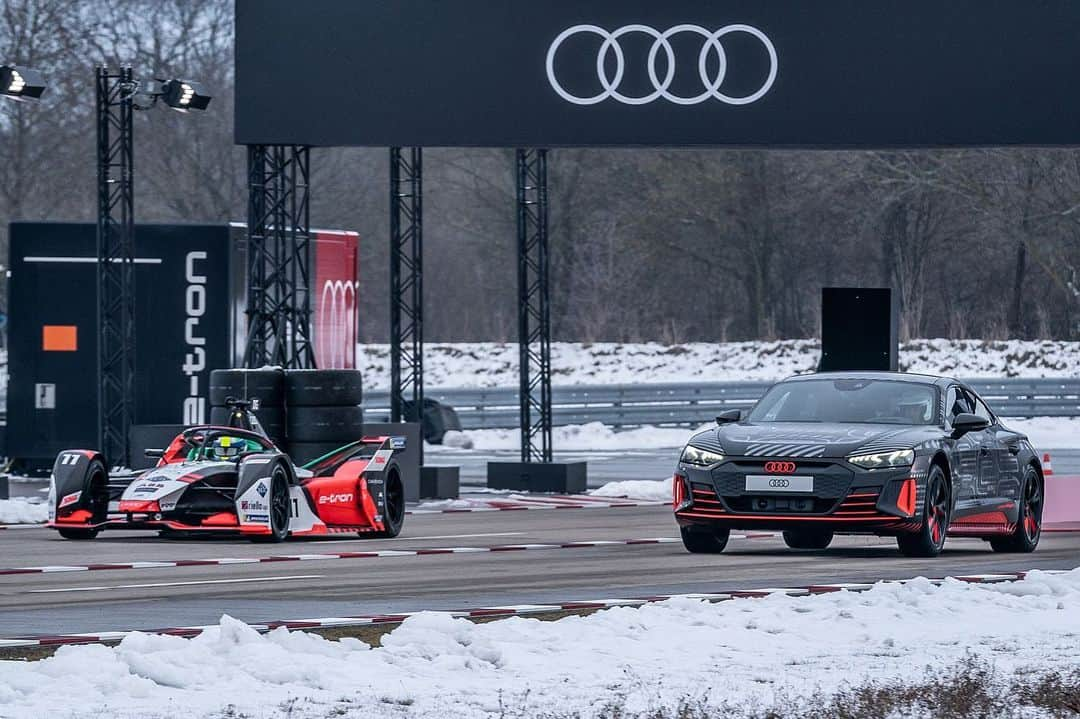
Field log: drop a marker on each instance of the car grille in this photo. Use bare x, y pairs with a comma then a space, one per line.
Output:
831, 481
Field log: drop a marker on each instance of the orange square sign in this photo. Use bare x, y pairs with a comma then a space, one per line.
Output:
60, 338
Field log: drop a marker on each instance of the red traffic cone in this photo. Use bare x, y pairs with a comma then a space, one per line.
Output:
1048, 469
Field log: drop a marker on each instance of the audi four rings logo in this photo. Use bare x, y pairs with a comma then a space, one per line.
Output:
711, 80
780, 467
779, 483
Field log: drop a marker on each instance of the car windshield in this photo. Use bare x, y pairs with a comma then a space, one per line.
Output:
869, 401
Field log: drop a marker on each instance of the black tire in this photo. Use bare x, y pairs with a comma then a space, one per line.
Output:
265, 385
937, 513
326, 424
808, 538
323, 387
279, 508
78, 535
303, 452
704, 541
1028, 530
393, 509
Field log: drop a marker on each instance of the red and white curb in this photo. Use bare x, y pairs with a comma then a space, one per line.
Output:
513, 610
517, 503
374, 554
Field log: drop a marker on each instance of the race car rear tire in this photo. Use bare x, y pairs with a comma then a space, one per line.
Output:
1025, 538
937, 512
393, 509
326, 424
704, 540
808, 538
78, 534
323, 387
279, 508
265, 385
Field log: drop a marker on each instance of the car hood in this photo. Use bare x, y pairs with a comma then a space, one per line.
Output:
810, 439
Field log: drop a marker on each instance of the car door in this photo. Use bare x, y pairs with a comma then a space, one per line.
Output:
1005, 446
986, 485
967, 447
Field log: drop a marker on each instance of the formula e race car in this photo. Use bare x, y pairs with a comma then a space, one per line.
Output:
909, 456
233, 479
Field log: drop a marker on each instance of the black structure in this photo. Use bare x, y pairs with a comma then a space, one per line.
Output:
116, 262
859, 329
534, 308
406, 285
279, 258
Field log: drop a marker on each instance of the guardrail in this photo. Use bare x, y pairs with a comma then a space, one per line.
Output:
698, 403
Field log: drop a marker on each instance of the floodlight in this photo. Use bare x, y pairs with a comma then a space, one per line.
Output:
21, 83
184, 95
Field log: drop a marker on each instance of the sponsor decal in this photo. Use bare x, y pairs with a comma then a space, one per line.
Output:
397, 443
255, 506
780, 467
261, 489
194, 408
336, 498
70, 499
167, 506
257, 518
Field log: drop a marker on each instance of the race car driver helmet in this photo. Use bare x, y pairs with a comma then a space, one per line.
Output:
225, 448
917, 407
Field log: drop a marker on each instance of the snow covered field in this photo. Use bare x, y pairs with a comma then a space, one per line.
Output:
491, 364
22, 511
741, 655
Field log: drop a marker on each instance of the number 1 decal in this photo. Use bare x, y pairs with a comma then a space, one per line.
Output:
295, 508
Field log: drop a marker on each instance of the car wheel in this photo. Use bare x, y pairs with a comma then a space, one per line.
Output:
930, 539
1028, 530
808, 538
279, 508
393, 509
78, 534
704, 541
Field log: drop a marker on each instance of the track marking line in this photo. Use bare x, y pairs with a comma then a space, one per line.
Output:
176, 584
311, 556
478, 535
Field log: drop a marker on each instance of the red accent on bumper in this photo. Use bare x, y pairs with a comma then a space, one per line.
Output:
139, 506
222, 519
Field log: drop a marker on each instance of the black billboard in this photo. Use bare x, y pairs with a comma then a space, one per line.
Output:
184, 328
830, 73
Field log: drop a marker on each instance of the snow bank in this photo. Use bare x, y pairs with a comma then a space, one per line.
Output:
1048, 432
578, 437
742, 652
22, 511
642, 489
492, 364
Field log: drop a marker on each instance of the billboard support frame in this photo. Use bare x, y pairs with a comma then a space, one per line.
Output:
406, 284
116, 261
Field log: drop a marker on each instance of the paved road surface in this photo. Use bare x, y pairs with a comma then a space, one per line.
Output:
86, 601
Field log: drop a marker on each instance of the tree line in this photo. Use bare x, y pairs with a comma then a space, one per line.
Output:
664, 245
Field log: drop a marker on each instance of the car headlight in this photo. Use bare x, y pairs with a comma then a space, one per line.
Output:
880, 460
702, 457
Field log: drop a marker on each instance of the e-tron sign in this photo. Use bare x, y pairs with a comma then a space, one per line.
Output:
795, 73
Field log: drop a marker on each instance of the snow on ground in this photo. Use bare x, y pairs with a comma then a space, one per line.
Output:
1048, 432
592, 436
492, 364
22, 511
743, 652
641, 489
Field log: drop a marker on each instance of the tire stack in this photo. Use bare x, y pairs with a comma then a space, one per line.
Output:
323, 412
265, 385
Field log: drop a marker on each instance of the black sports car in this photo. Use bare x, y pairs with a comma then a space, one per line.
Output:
910, 456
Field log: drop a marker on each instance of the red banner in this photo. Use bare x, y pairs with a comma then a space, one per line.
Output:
334, 300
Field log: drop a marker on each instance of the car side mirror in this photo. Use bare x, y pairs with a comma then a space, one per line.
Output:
964, 423
732, 415
153, 453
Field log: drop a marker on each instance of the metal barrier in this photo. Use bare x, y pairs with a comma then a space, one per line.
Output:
697, 403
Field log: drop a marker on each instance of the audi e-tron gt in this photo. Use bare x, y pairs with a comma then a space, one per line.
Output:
909, 456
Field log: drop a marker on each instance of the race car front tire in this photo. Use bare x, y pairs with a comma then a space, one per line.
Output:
704, 540
279, 508
930, 539
393, 509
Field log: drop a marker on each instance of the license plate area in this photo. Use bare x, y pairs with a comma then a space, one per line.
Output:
779, 483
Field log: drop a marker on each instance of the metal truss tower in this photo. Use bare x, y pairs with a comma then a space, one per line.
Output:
115, 263
279, 257
534, 306
406, 285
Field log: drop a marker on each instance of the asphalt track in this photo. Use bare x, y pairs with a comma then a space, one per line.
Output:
150, 597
